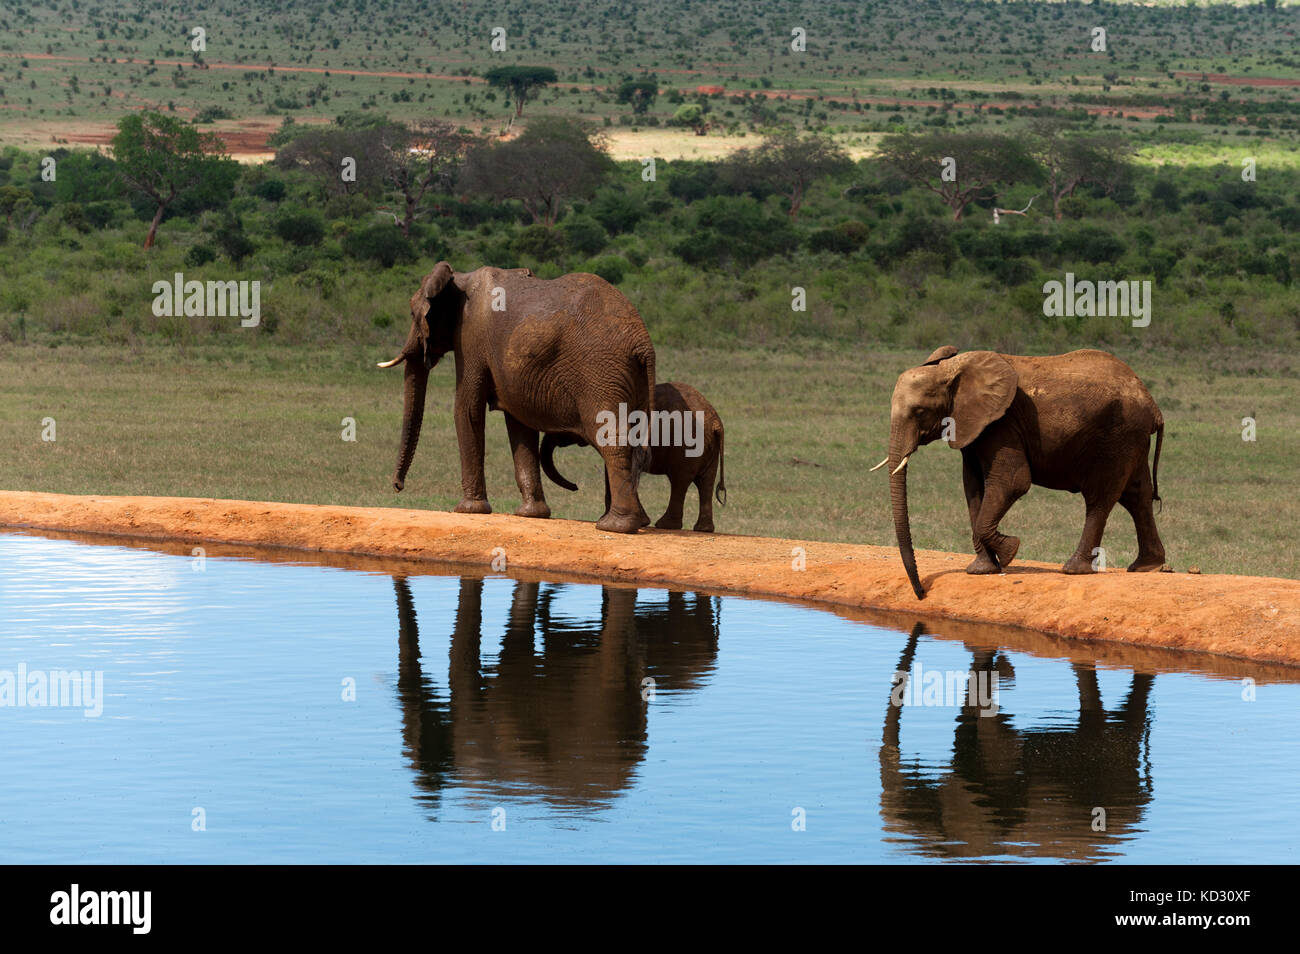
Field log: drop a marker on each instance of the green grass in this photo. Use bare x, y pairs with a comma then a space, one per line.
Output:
264, 423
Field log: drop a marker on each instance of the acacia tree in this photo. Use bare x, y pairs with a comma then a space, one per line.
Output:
787, 164
692, 115
555, 159
1073, 160
521, 82
322, 152
959, 167
163, 158
640, 93
420, 157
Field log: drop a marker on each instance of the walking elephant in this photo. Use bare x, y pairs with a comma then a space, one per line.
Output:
1080, 422
551, 355
694, 459
998, 788
563, 707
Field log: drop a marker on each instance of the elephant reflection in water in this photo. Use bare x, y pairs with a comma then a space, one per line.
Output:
568, 722
1029, 793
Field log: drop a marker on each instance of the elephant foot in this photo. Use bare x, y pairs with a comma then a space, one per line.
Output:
472, 505
619, 523
669, 523
1077, 566
703, 527
1145, 564
534, 508
982, 565
1005, 549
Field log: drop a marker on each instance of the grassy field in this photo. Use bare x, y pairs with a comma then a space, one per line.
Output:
802, 427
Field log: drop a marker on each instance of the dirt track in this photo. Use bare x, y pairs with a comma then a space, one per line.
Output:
1255, 618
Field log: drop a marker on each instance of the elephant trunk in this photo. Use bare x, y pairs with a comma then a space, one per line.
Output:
898, 454
416, 384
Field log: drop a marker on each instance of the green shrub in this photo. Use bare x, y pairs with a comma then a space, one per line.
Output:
199, 255
585, 234
612, 268
734, 231
382, 244
272, 190
1091, 244
300, 226
540, 242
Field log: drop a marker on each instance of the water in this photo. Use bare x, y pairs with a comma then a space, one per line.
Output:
363, 712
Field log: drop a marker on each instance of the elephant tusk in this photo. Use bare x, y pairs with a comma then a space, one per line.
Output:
388, 364
901, 464
880, 465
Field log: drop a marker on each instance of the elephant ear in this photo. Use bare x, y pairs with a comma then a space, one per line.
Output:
940, 354
983, 386
422, 303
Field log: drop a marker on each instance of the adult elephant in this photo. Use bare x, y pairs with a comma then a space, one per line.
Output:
561, 709
551, 355
1080, 422
1028, 792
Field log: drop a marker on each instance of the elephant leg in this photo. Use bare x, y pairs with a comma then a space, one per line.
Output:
1002, 488
704, 484
672, 518
523, 445
623, 513
1136, 499
1099, 507
471, 414
972, 479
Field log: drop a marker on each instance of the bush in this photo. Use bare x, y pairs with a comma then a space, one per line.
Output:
693, 181
200, 255
272, 190
230, 238
617, 210
921, 233
845, 237
74, 214
301, 227
348, 207
1287, 216
612, 268
584, 234
1166, 193
384, 244
1091, 244
541, 243
101, 214
734, 231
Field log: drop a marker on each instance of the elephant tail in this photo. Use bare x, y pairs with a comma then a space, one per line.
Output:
643, 457
1155, 466
549, 443
721, 493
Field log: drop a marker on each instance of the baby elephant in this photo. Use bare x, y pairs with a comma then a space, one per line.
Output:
674, 453
1080, 422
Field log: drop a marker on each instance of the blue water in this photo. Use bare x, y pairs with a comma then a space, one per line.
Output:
305, 713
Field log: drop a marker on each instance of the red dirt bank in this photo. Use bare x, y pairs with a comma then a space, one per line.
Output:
1256, 618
